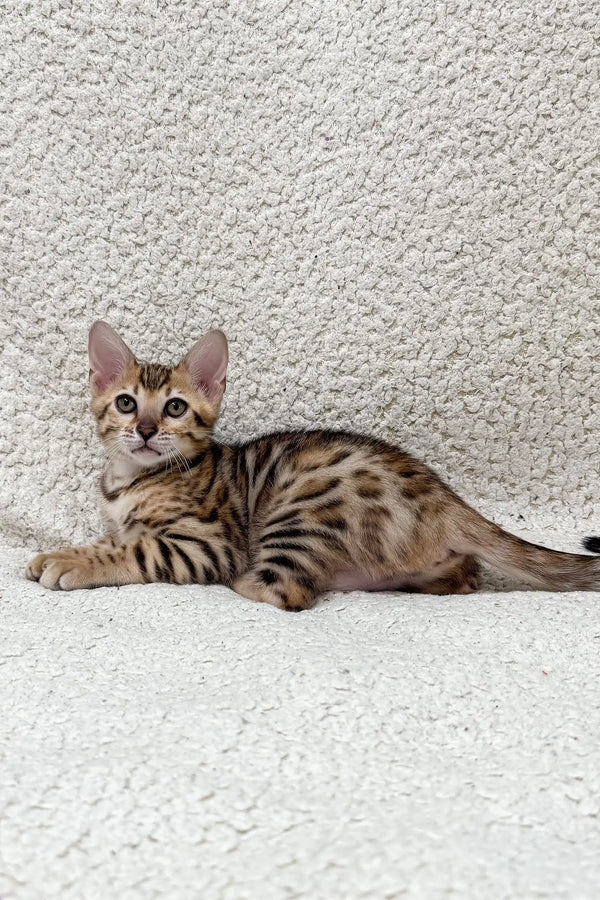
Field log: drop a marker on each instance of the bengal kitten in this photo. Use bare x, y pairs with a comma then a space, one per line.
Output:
280, 519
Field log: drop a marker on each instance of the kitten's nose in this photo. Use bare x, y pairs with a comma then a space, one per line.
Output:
146, 431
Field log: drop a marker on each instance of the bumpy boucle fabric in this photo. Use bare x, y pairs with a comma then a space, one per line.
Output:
392, 210
166, 743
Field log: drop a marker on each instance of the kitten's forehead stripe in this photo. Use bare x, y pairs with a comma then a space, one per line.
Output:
154, 376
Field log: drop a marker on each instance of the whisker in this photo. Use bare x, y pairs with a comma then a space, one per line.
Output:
177, 464
183, 459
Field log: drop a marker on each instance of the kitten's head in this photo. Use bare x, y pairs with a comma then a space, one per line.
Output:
148, 413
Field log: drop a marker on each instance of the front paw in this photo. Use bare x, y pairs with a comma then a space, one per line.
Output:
64, 570
39, 563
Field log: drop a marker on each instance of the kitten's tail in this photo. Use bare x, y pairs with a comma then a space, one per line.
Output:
592, 543
548, 569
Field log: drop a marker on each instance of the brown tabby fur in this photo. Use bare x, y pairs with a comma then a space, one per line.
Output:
283, 518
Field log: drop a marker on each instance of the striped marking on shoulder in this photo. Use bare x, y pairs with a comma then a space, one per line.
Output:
187, 561
141, 560
236, 517
166, 556
201, 543
267, 480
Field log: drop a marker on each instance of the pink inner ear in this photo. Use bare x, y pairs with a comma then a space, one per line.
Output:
109, 356
206, 365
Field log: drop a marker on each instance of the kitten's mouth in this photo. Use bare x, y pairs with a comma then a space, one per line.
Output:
145, 451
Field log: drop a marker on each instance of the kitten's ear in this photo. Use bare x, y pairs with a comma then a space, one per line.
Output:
109, 356
206, 365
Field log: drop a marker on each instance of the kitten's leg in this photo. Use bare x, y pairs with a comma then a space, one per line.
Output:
95, 565
67, 556
294, 588
293, 591
462, 578
177, 559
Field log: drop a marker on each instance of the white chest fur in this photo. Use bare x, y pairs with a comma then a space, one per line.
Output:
117, 505
116, 515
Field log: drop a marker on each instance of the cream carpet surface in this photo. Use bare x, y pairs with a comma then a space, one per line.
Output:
168, 742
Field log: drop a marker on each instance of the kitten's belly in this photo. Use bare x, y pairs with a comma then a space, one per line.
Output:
359, 581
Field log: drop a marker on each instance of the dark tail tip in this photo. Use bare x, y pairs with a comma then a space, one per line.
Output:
592, 544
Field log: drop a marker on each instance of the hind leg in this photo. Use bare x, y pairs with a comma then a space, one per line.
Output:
293, 591
463, 577
290, 566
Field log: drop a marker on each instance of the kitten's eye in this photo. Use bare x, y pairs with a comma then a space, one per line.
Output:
125, 403
175, 407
